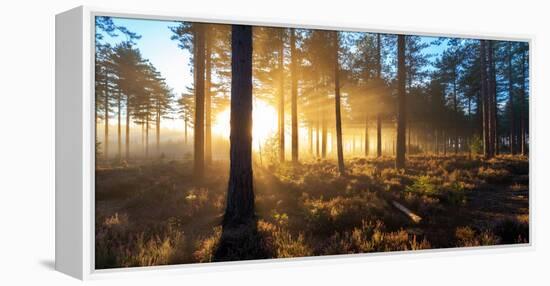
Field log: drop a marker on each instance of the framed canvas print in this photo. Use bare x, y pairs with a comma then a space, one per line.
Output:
183, 141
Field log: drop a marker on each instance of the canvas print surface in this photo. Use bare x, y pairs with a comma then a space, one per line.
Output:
229, 142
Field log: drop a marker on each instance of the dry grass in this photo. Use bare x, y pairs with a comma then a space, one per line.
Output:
155, 214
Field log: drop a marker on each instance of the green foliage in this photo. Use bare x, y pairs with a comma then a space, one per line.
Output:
423, 185
476, 145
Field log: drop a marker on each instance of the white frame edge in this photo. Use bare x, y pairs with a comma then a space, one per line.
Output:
75, 146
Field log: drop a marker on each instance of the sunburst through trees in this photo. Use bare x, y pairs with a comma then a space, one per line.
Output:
228, 142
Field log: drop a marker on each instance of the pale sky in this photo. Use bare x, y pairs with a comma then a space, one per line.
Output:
156, 46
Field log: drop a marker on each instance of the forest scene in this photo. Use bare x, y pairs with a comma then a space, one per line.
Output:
218, 142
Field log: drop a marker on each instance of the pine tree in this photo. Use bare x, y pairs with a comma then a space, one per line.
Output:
401, 103
240, 192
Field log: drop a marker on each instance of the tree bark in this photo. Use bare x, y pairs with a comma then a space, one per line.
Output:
455, 96
119, 131
240, 192
323, 135
340, 151
486, 101
281, 97
494, 109
317, 145
127, 137
379, 78
401, 104
199, 57
523, 100
106, 135
147, 134
294, 95
158, 129
208, 96
185, 127
366, 136
512, 117
310, 132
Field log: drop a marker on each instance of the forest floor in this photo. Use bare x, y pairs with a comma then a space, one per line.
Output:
156, 214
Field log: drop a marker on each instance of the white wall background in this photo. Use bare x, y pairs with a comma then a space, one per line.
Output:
27, 141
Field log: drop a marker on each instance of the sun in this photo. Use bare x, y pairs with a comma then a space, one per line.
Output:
264, 123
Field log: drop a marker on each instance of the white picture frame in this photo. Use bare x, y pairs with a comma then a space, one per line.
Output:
75, 141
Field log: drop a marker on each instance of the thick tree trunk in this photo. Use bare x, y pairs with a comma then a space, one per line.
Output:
240, 192
281, 97
340, 151
294, 94
512, 117
199, 57
208, 96
401, 104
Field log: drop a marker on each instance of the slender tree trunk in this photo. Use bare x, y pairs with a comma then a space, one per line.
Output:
340, 151
379, 78
199, 57
317, 138
523, 109
366, 136
106, 105
119, 131
353, 144
511, 101
208, 96
444, 135
323, 135
436, 142
281, 97
294, 95
158, 130
127, 137
240, 192
455, 96
494, 108
143, 138
185, 127
401, 103
409, 139
310, 128
485, 96
378, 135
147, 134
